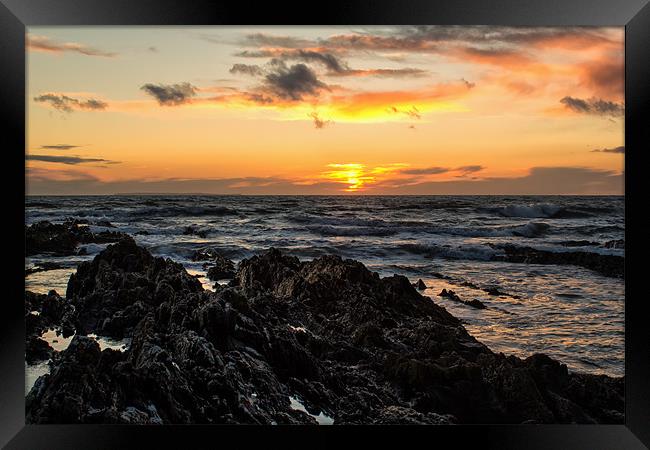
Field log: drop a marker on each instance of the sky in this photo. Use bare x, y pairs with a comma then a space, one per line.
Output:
325, 110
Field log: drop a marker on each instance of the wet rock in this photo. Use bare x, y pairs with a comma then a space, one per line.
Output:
114, 292
42, 267
581, 243
420, 285
451, 295
347, 343
195, 231
36, 350
607, 265
104, 223
222, 268
63, 239
618, 243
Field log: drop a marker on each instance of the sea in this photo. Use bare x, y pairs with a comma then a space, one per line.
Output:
570, 313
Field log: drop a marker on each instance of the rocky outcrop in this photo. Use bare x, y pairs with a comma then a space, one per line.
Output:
62, 239
115, 291
350, 345
607, 265
451, 295
221, 268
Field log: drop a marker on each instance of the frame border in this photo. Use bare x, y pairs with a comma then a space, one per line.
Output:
16, 15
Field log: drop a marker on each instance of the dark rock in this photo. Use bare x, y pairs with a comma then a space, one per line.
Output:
63, 239
582, 243
420, 285
192, 230
618, 243
104, 223
114, 292
36, 350
329, 332
451, 295
222, 269
42, 267
607, 265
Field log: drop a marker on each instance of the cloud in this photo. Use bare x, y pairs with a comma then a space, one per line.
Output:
426, 171
620, 149
68, 104
384, 73
318, 122
594, 106
538, 181
170, 94
69, 183
469, 169
605, 76
45, 44
70, 160
267, 40
294, 82
59, 147
247, 69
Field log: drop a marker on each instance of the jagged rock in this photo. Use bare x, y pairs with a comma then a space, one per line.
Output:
607, 265
114, 292
223, 268
347, 343
451, 295
192, 230
618, 243
420, 285
63, 239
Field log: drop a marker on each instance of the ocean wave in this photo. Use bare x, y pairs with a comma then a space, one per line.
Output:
545, 210
183, 211
468, 252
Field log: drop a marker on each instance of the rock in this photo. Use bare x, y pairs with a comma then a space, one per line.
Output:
607, 265
36, 350
223, 268
63, 239
618, 243
114, 292
328, 334
582, 243
451, 295
420, 285
192, 230
42, 267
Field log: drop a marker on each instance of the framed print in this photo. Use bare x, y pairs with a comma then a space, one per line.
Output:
396, 219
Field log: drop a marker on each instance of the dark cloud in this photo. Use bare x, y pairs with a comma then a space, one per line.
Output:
318, 122
45, 44
267, 40
426, 171
247, 69
170, 94
294, 82
594, 106
69, 104
44, 183
539, 181
330, 61
59, 147
469, 169
620, 149
70, 160
385, 73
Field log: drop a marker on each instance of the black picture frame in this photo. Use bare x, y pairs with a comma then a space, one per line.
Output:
15, 15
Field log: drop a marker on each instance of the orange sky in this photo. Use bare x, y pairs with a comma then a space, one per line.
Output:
324, 110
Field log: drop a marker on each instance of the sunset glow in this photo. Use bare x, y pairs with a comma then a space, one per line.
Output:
318, 110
